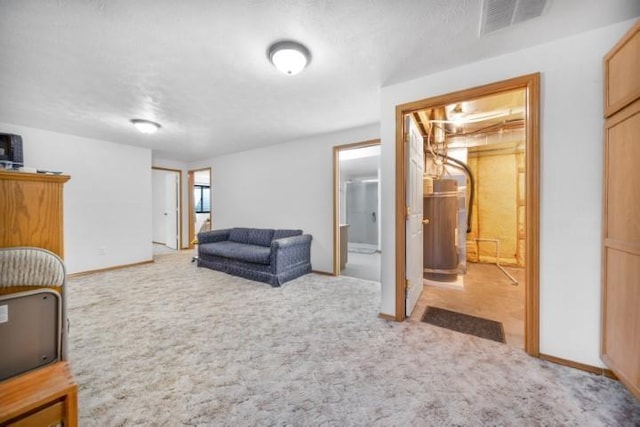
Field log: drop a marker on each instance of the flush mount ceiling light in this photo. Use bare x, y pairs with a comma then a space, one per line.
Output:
289, 57
146, 126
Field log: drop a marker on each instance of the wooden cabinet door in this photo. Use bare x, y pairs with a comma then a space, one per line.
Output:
621, 220
621, 251
31, 210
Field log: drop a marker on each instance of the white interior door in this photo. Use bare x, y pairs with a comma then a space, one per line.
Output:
171, 210
414, 167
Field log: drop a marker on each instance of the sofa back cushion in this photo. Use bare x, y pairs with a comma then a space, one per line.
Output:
240, 235
260, 236
281, 234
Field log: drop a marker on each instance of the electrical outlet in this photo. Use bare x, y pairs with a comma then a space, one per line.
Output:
102, 250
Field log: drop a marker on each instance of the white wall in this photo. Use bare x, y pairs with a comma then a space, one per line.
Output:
571, 178
289, 185
107, 200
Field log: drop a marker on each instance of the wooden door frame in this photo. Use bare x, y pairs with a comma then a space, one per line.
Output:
192, 208
179, 172
531, 84
336, 196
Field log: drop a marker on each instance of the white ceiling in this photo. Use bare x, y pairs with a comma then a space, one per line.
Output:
359, 163
199, 67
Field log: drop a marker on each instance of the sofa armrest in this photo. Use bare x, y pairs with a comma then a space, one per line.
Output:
213, 236
290, 251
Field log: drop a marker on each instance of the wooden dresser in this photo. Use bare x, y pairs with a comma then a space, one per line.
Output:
621, 229
47, 396
31, 210
31, 207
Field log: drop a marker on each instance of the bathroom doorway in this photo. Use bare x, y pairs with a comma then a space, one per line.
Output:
357, 210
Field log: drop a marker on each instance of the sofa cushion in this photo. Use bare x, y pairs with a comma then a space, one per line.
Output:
240, 235
260, 236
240, 251
280, 234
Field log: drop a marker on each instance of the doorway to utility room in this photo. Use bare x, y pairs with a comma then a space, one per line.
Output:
357, 210
200, 216
476, 194
166, 203
476, 148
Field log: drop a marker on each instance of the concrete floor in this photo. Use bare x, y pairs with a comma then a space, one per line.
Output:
487, 293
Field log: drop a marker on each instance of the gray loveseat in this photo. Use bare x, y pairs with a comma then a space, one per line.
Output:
265, 255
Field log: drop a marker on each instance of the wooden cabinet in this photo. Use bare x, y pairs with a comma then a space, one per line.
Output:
31, 210
45, 397
31, 215
621, 219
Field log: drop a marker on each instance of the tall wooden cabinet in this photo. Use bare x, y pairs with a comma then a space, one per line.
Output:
31, 210
31, 207
621, 220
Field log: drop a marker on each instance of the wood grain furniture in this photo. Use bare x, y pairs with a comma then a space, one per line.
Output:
621, 203
31, 210
31, 214
45, 397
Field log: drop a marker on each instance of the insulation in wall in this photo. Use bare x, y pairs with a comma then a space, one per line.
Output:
498, 208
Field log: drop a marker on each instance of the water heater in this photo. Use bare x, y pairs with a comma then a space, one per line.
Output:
440, 211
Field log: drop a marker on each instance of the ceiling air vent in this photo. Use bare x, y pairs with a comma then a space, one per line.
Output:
499, 14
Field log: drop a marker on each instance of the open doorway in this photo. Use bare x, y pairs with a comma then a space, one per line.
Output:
356, 210
200, 216
488, 134
474, 240
166, 199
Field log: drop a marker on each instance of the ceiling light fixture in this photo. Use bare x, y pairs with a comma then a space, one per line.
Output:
289, 57
146, 126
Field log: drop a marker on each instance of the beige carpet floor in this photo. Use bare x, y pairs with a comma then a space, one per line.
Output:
170, 344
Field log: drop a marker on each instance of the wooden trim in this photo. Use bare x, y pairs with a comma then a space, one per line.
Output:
192, 208
191, 214
336, 196
612, 108
530, 83
32, 176
361, 144
336, 211
323, 273
179, 172
401, 203
102, 270
577, 365
532, 217
158, 168
387, 317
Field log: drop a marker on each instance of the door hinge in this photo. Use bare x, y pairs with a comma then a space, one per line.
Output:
407, 285
407, 211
